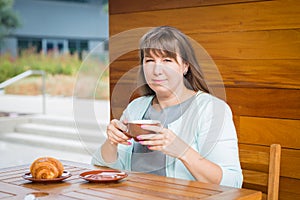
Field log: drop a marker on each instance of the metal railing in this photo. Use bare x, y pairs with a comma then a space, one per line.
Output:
24, 75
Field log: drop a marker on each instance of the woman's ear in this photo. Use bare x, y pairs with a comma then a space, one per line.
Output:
185, 68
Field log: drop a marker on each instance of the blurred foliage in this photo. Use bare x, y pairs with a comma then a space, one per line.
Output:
9, 19
65, 72
105, 6
51, 63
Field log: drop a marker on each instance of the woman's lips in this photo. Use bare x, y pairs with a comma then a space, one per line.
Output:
158, 81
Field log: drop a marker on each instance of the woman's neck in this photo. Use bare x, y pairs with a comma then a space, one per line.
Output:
162, 101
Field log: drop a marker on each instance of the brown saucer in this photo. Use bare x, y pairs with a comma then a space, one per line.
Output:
98, 176
65, 175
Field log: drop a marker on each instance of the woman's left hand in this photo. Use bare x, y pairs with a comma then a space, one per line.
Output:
163, 140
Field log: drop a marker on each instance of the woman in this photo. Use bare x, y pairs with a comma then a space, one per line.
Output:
197, 138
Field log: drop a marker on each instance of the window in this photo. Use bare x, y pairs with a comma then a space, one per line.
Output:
29, 43
106, 45
50, 45
78, 46
55, 45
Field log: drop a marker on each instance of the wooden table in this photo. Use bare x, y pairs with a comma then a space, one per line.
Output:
135, 186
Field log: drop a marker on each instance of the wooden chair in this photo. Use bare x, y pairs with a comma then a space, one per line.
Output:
261, 168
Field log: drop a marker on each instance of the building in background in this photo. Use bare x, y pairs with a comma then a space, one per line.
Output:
59, 25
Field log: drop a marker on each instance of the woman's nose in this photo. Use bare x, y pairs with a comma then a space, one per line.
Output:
157, 68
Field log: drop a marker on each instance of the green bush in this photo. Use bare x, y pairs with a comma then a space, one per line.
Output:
7, 68
66, 64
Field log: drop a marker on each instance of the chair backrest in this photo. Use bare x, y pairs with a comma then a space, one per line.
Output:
261, 168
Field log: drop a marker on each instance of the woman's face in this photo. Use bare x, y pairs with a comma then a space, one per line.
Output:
164, 75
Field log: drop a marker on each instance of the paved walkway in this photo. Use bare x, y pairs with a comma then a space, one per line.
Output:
61, 106
15, 154
19, 154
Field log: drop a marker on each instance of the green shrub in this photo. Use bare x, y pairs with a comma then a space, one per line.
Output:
7, 67
65, 64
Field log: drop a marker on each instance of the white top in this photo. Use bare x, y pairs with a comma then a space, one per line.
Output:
207, 126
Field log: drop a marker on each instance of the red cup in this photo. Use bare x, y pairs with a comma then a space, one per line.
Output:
134, 128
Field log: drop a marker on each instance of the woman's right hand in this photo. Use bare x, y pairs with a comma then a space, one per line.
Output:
115, 133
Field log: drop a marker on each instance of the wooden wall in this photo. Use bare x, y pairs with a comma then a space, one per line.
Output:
256, 47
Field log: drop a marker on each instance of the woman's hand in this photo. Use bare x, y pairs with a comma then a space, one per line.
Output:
115, 132
163, 140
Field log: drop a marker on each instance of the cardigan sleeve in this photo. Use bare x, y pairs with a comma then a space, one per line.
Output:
122, 163
219, 142
134, 110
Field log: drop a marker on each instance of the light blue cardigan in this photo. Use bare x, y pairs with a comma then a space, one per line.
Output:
207, 126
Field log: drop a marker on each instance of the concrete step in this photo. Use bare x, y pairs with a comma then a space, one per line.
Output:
8, 124
68, 121
63, 132
56, 133
56, 143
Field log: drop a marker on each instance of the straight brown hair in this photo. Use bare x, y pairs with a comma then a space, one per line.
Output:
169, 41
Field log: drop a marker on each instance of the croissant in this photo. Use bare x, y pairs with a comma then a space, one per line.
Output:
46, 168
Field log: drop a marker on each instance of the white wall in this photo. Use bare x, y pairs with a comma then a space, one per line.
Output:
61, 19
10, 46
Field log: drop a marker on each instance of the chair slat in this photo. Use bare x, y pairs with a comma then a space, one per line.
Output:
274, 172
261, 168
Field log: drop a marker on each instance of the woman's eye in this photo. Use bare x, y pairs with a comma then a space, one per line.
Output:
167, 60
149, 60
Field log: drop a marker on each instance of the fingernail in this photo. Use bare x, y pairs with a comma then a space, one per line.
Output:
141, 142
138, 137
149, 147
129, 143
